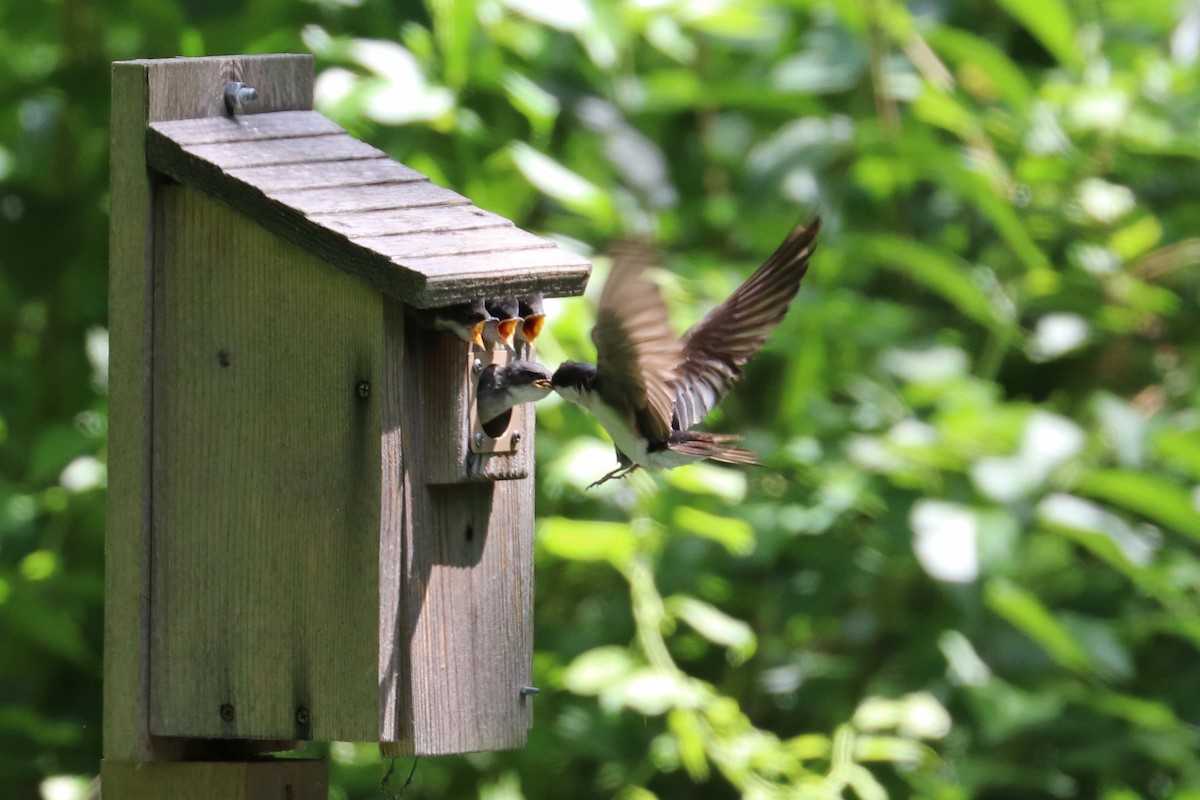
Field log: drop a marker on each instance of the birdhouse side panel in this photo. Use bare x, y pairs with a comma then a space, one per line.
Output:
267, 386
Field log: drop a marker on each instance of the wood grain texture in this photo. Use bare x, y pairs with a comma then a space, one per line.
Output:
126, 553
369, 224
144, 91
464, 242
324, 174
249, 127
270, 152
284, 779
187, 88
346, 215
267, 491
465, 624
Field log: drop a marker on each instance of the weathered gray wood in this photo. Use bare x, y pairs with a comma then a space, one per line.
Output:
290, 779
267, 488
332, 221
321, 174
474, 267
464, 242
126, 628
248, 127
186, 88
447, 374
400, 194
388, 222
268, 152
466, 596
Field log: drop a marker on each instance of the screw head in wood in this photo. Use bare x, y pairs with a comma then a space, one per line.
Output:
479, 439
238, 95
529, 691
227, 712
516, 438
364, 389
477, 366
302, 716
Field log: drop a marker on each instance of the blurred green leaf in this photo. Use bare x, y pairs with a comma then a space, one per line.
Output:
1151, 496
586, 541
1051, 24
1027, 613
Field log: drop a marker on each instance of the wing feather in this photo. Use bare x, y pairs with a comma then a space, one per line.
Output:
718, 346
636, 352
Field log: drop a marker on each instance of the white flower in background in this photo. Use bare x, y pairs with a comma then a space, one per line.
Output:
1103, 201
82, 474
1058, 334
944, 540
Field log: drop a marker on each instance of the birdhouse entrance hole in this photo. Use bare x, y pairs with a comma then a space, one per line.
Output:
504, 433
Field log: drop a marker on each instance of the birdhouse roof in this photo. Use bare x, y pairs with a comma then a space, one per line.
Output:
301, 176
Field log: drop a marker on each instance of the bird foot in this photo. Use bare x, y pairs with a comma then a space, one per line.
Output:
618, 473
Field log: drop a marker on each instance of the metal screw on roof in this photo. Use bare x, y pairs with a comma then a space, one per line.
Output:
238, 95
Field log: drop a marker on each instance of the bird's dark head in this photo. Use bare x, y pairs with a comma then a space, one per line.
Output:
573, 379
502, 386
527, 379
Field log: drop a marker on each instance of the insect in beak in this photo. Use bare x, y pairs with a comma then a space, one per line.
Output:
543, 383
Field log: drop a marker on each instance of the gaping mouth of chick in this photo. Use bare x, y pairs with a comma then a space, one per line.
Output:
532, 326
506, 328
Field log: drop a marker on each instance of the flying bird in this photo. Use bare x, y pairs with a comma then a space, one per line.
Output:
648, 388
503, 386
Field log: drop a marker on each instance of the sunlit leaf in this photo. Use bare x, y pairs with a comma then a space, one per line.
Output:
735, 535
586, 540
1153, 497
714, 625
1050, 23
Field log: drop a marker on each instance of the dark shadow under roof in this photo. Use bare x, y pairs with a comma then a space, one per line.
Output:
307, 180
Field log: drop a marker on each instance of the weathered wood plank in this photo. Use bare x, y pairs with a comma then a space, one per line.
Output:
466, 595
451, 268
286, 779
329, 220
265, 568
267, 152
464, 242
126, 553
186, 88
248, 127
323, 174
391, 221
403, 194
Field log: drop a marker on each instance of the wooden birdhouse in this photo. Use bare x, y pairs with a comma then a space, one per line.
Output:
309, 536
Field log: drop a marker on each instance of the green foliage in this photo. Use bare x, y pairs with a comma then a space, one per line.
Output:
969, 568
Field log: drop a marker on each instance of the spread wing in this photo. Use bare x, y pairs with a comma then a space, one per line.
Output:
636, 353
717, 347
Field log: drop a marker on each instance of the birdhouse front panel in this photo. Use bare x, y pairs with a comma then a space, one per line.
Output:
268, 397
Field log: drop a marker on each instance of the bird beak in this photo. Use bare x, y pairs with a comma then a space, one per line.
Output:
532, 326
506, 329
477, 335
543, 383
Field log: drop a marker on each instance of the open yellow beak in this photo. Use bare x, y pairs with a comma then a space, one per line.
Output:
506, 329
532, 326
477, 335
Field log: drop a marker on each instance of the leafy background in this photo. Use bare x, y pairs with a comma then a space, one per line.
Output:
970, 567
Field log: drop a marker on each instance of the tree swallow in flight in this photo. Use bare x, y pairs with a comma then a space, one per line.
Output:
648, 388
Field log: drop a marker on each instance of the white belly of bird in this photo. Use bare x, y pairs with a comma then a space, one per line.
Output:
625, 436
